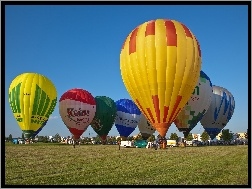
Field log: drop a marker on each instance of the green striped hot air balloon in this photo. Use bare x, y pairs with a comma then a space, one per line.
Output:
32, 99
104, 116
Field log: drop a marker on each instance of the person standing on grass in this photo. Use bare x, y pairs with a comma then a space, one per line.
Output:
119, 144
74, 144
155, 144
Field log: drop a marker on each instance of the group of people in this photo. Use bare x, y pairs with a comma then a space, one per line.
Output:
159, 143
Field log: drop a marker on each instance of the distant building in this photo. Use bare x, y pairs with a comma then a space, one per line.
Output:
218, 137
241, 135
235, 136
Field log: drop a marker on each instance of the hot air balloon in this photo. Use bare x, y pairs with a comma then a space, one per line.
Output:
219, 112
145, 128
37, 132
196, 107
77, 109
127, 117
104, 116
160, 64
32, 98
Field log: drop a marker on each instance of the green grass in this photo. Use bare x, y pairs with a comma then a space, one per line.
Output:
54, 164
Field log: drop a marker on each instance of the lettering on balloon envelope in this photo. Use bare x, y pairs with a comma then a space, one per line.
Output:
96, 125
121, 120
78, 116
41, 109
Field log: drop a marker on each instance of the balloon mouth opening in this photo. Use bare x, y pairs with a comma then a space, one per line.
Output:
162, 128
76, 137
103, 137
145, 136
123, 138
184, 130
28, 133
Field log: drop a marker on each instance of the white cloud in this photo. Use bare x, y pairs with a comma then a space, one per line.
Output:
53, 117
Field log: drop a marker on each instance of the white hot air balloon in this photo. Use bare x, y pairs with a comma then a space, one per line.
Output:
77, 109
219, 112
145, 128
196, 107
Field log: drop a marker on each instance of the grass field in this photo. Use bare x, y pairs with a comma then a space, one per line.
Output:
57, 164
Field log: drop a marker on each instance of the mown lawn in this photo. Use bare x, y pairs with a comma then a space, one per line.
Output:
55, 164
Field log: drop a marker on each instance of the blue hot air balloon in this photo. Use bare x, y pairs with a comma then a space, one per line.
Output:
219, 112
127, 117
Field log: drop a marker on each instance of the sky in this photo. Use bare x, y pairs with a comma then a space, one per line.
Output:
79, 46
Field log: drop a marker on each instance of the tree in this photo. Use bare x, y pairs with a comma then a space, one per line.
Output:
189, 137
118, 139
139, 137
45, 139
130, 138
174, 136
57, 138
204, 136
226, 135
40, 138
109, 140
151, 138
96, 139
113, 139
10, 138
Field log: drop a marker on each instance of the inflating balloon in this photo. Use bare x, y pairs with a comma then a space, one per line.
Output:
160, 64
127, 117
104, 116
32, 98
219, 112
77, 109
145, 128
196, 107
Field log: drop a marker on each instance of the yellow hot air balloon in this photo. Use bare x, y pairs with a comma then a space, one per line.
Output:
32, 98
160, 64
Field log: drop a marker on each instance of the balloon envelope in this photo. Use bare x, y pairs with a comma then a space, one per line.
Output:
127, 117
104, 116
32, 98
197, 106
77, 109
160, 64
145, 128
219, 112
37, 132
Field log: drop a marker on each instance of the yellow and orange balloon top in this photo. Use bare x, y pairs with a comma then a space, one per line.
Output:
32, 99
160, 64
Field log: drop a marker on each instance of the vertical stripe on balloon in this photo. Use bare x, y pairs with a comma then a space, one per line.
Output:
187, 31
166, 109
150, 28
155, 101
149, 112
198, 47
175, 108
132, 42
171, 36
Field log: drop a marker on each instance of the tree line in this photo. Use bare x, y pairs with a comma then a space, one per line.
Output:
226, 136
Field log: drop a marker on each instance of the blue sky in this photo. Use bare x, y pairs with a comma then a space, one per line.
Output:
79, 46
